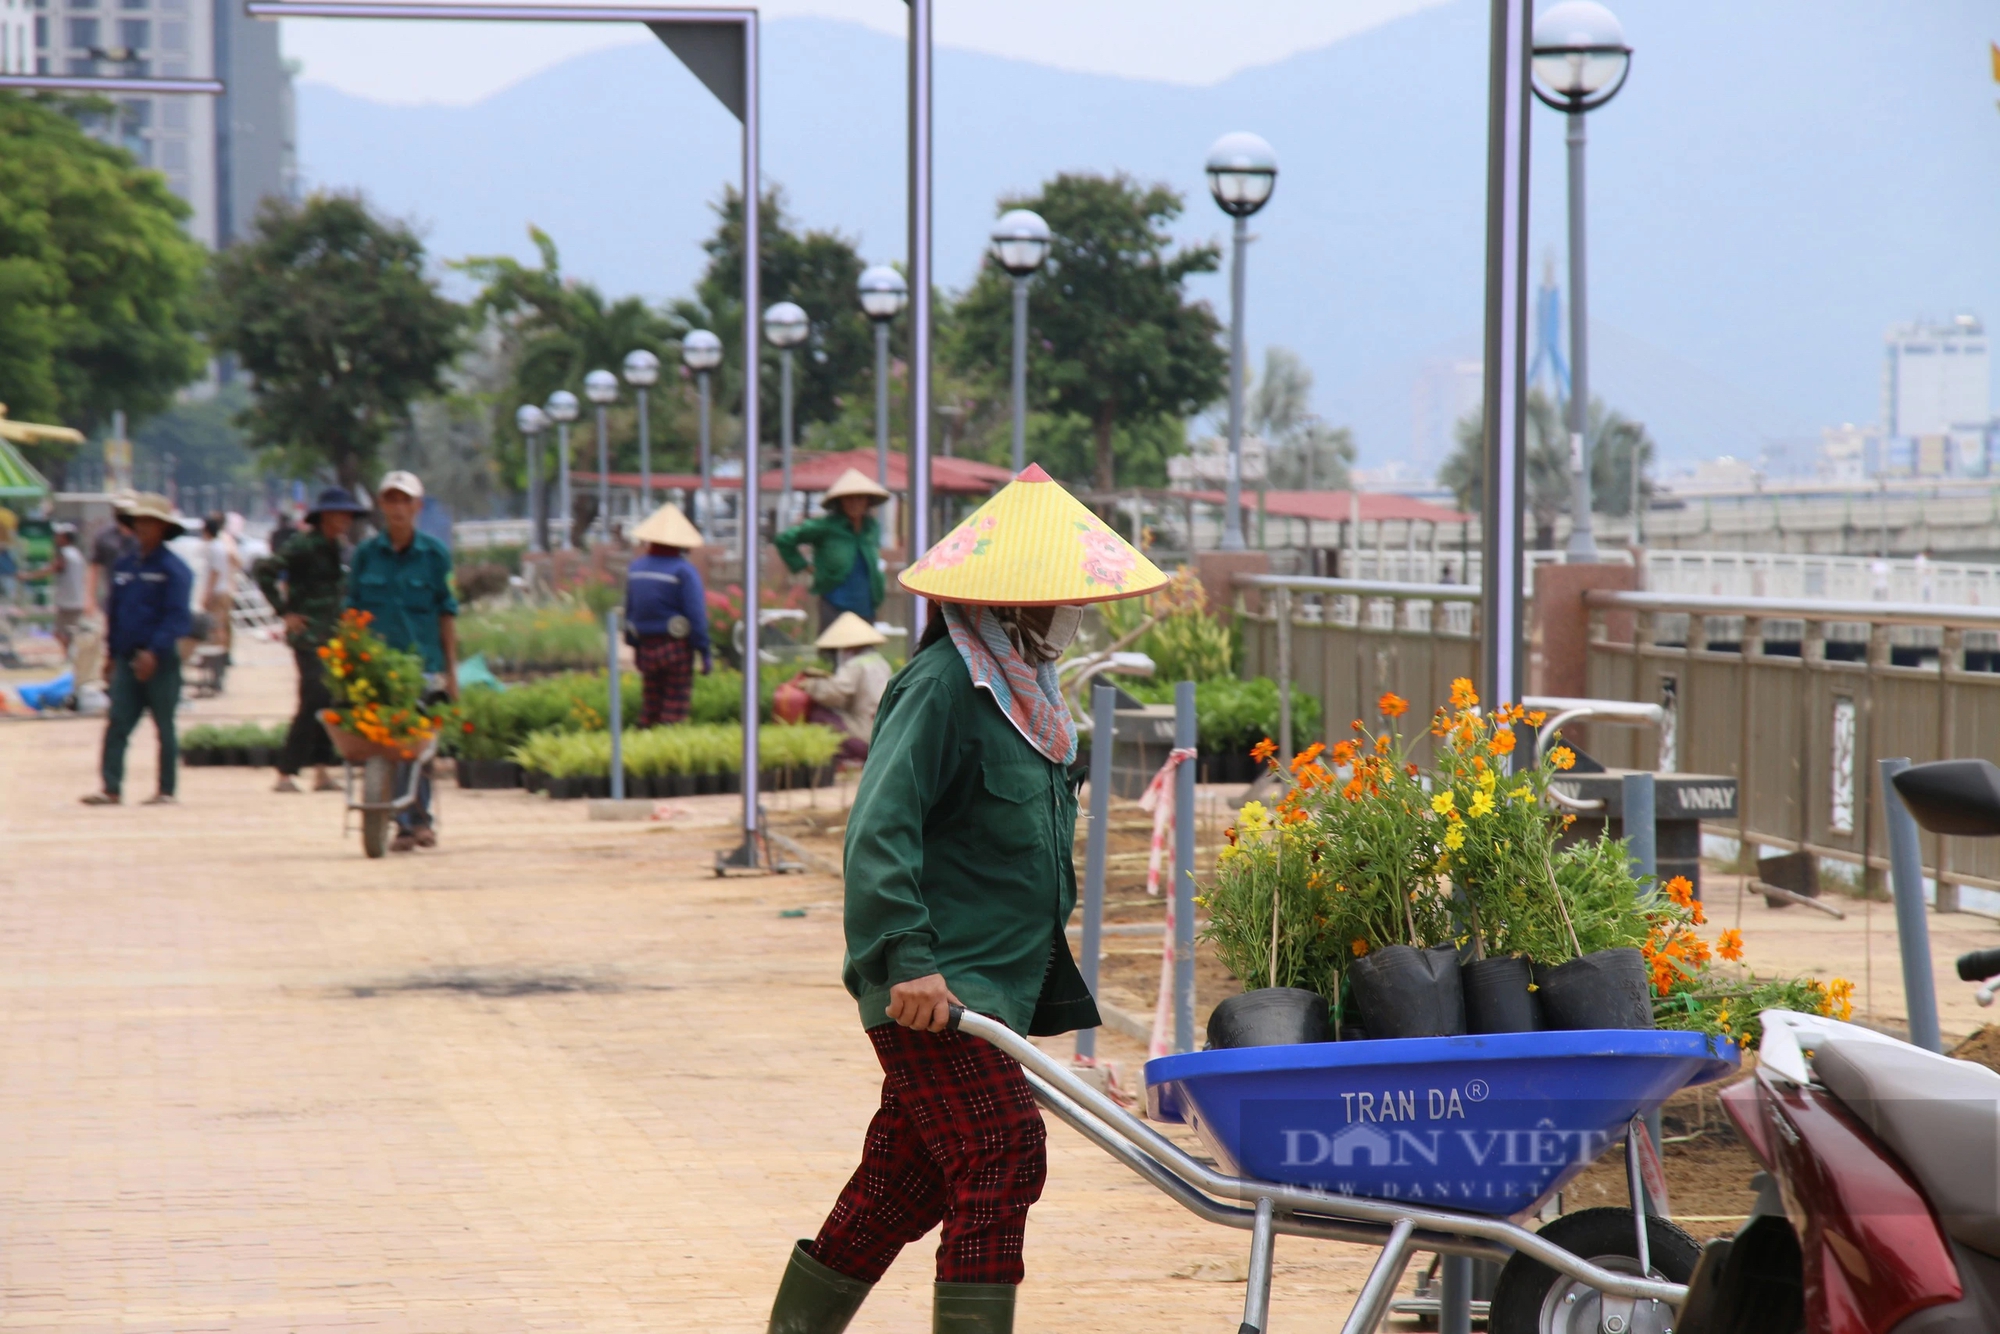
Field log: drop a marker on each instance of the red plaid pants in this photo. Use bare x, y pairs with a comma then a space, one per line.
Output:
666, 670
957, 1140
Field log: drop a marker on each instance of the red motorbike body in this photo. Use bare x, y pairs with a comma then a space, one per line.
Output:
1871, 1249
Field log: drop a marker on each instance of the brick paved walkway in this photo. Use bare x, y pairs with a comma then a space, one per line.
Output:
553, 1076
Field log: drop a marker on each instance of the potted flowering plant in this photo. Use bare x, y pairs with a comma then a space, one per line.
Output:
378, 709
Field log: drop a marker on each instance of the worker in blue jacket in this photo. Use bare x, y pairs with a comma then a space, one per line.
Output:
666, 616
150, 593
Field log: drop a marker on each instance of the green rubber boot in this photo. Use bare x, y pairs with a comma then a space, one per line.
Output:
813, 1299
973, 1308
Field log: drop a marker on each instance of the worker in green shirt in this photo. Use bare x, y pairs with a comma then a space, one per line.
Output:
846, 547
402, 578
959, 886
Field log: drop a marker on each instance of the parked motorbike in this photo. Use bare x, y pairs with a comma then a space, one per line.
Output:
1878, 1211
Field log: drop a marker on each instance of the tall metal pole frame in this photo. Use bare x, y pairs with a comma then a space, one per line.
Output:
1502, 649
920, 294
538, 532
1020, 371
720, 48
785, 435
565, 502
1232, 503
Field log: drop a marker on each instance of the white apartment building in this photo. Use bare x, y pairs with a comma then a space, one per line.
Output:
1936, 379
222, 154
17, 37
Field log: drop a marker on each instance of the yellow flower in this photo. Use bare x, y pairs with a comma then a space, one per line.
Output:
1488, 780
1253, 818
1454, 837
1227, 854
1442, 803
1482, 804
1521, 793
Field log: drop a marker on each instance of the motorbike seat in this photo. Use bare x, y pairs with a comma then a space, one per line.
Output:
1939, 1116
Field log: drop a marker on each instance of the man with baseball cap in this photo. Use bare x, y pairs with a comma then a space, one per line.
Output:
402, 578
148, 616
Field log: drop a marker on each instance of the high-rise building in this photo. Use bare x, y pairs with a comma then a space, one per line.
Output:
224, 154
1935, 378
1445, 392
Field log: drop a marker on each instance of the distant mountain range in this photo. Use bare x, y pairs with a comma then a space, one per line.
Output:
1776, 184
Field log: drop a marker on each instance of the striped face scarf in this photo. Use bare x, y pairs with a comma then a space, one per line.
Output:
1027, 693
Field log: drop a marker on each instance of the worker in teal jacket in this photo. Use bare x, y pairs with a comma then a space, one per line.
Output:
846, 547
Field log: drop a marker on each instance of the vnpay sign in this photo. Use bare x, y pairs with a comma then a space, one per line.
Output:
1446, 1144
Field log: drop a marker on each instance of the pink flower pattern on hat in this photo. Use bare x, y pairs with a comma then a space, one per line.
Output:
1107, 560
967, 540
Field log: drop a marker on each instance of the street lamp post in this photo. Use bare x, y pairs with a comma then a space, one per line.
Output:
562, 409
531, 421
785, 327
1021, 244
883, 296
1580, 63
1242, 171
601, 388
642, 372
701, 352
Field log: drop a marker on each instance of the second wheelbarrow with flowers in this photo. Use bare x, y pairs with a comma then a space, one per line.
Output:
379, 721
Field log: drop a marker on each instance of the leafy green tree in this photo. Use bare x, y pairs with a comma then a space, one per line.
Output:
1610, 436
552, 332
1305, 454
1112, 338
329, 308
99, 285
208, 447
835, 366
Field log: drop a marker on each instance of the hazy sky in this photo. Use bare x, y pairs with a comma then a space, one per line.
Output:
1180, 41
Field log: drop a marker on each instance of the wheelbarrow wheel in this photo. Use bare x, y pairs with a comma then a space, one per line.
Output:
378, 789
1532, 1298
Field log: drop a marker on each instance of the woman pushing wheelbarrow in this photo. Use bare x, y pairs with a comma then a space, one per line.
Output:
961, 829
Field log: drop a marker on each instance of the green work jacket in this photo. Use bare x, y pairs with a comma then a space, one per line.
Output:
408, 592
835, 547
958, 858
306, 576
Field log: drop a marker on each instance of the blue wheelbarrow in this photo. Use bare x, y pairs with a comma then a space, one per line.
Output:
1444, 1144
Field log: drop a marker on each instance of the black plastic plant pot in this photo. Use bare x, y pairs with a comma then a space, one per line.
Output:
1497, 998
1608, 989
258, 757
1403, 992
1271, 1017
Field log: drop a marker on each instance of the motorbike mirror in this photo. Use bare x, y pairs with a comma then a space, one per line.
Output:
1953, 796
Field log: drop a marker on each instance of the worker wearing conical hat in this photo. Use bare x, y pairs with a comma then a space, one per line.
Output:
848, 698
959, 883
666, 616
846, 547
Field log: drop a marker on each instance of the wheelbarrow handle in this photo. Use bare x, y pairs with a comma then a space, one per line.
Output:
953, 1013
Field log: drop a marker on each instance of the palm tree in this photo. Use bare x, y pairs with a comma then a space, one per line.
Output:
1613, 440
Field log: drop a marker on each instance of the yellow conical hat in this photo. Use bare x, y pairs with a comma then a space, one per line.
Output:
850, 631
669, 527
1032, 545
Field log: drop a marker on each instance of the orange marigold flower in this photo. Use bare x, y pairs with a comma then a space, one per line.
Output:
466, 727
1730, 946
1392, 704
1345, 751
1359, 946
1263, 750
1382, 744
1307, 756
1296, 815
1463, 696
1680, 891
1410, 769
1230, 834
1356, 725
1536, 718
1502, 742
1563, 757
1355, 789
1700, 917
